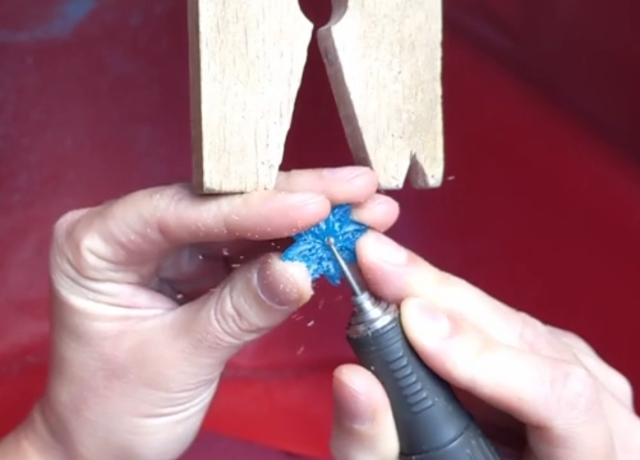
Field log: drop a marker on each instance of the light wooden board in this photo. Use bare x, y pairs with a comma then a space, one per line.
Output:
246, 60
384, 63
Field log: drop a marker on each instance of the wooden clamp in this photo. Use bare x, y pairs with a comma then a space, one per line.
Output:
384, 63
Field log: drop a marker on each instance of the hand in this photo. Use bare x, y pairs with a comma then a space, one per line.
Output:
146, 311
554, 398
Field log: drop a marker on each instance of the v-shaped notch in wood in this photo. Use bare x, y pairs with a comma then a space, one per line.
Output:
383, 59
384, 62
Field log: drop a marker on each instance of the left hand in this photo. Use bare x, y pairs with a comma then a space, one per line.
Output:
147, 311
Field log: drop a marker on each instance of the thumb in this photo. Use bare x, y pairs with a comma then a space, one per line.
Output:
250, 302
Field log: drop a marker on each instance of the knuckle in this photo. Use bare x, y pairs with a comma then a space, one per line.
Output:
470, 357
163, 203
442, 279
170, 196
65, 224
86, 253
532, 335
614, 380
426, 280
573, 393
575, 341
231, 321
623, 388
75, 245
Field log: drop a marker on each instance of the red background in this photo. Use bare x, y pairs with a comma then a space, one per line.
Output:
541, 207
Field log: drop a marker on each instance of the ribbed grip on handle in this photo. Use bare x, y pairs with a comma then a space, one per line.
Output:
472, 445
431, 422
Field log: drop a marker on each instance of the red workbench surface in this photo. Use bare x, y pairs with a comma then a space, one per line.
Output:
541, 206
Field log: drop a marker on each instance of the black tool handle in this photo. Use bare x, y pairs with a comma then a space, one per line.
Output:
430, 420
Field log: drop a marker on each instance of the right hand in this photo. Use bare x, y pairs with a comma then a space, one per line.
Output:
540, 392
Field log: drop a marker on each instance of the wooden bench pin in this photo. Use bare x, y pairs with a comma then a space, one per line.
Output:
384, 63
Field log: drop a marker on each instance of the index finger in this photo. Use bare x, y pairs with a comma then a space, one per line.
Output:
414, 277
492, 351
148, 223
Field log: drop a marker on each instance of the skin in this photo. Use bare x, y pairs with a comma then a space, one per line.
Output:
540, 392
147, 310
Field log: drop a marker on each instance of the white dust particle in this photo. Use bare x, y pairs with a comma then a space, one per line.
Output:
451, 177
225, 252
321, 304
179, 296
300, 350
310, 323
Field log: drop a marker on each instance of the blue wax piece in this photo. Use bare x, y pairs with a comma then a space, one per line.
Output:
310, 247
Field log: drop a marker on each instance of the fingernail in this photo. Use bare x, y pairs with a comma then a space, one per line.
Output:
385, 250
283, 284
353, 408
373, 206
426, 320
345, 173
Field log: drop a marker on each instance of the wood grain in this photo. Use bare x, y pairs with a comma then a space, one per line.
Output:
384, 64
246, 60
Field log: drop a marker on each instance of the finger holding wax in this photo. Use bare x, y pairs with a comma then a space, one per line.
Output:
136, 232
